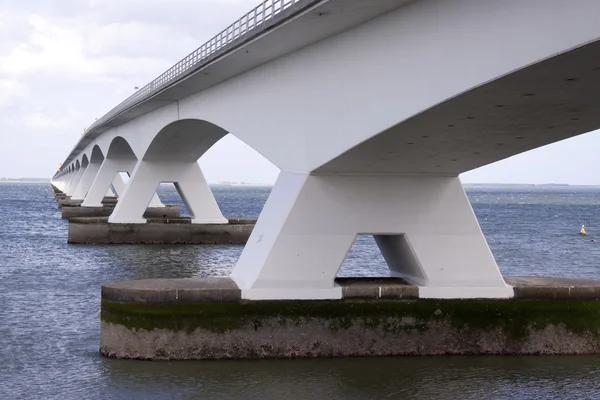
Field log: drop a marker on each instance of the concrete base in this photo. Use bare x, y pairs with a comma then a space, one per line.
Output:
66, 201
184, 319
55, 190
168, 211
159, 231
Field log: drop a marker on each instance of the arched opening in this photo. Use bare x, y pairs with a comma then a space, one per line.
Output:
120, 148
184, 140
227, 164
97, 156
84, 161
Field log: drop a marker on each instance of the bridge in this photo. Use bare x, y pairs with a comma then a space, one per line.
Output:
371, 110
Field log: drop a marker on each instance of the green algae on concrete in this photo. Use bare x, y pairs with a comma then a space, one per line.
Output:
516, 318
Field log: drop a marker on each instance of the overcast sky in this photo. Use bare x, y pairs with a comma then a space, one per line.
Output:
65, 62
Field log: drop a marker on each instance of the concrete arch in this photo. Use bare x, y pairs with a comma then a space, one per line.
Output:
184, 140
118, 157
120, 148
77, 165
171, 156
84, 161
97, 156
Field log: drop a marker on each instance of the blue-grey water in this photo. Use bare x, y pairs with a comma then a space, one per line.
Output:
50, 299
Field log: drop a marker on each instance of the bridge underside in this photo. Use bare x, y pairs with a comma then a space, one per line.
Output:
543, 103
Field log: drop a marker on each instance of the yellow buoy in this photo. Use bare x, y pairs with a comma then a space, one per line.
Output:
582, 231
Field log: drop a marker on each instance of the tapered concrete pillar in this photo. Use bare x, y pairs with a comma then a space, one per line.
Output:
86, 181
65, 182
424, 226
59, 182
75, 182
118, 186
189, 182
68, 181
104, 178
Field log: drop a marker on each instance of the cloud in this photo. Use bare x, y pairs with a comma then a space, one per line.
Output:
11, 91
56, 49
137, 39
43, 121
65, 62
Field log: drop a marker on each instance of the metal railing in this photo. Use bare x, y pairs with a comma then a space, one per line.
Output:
252, 20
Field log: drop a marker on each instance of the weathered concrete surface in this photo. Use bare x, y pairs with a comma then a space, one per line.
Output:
168, 211
165, 291
218, 289
68, 202
278, 337
55, 190
537, 287
207, 319
158, 231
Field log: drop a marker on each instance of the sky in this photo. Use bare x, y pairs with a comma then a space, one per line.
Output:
64, 63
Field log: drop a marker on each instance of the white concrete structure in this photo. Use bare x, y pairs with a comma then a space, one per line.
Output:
371, 110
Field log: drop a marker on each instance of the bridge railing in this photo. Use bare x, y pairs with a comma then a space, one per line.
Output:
252, 20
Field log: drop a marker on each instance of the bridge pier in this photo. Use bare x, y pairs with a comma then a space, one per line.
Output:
424, 226
60, 183
118, 186
104, 178
69, 181
86, 181
76, 180
189, 182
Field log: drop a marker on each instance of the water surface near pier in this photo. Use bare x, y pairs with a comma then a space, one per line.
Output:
49, 309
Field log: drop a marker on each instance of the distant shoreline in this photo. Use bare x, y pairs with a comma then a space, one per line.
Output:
24, 181
528, 184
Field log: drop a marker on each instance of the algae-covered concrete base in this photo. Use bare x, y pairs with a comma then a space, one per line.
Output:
159, 231
180, 319
168, 211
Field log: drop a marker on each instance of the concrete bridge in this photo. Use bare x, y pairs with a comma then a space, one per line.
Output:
371, 110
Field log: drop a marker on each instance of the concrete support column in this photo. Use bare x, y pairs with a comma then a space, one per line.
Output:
68, 179
86, 181
104, 178
59, 182
76, 178
424, 226
118, 186
189, 182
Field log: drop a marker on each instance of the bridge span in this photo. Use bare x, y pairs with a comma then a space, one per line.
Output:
371, 110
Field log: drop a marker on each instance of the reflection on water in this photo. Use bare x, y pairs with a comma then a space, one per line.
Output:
50, 291
367, 378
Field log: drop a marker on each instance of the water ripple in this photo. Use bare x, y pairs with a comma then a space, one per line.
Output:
50, 291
